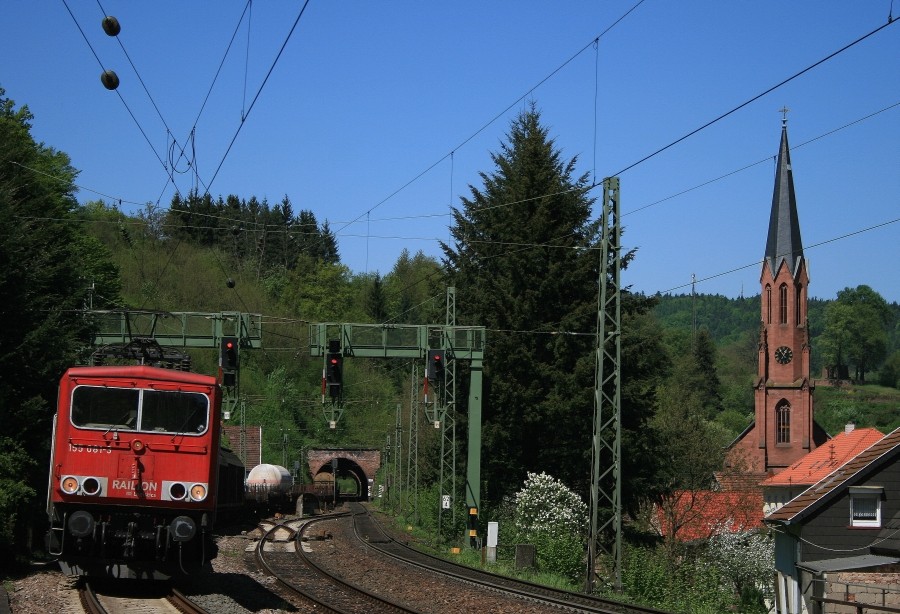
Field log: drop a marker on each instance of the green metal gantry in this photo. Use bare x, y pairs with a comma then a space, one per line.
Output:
413, 341
606, 449
188, 329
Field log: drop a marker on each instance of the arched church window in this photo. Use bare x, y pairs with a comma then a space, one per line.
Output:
768, 304
783, 422
784, 304
797, 303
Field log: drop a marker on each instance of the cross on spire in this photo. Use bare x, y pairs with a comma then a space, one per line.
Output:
784, 111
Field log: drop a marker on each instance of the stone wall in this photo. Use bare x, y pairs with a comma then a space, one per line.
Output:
880, 588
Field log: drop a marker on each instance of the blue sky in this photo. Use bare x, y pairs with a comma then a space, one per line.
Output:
379, 115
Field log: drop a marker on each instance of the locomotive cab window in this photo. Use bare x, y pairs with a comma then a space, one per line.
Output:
174, 412
96, 407
121, 409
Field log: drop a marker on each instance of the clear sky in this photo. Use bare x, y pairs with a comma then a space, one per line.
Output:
378, 116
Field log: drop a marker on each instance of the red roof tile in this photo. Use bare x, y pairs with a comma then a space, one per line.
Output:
826, 458
701, 514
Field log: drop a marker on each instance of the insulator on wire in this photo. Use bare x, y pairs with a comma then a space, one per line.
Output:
111, 25
109, 79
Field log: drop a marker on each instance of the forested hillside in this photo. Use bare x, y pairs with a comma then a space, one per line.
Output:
734, 326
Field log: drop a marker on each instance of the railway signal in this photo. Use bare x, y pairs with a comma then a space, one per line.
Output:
435, 368
228, 360
334, 373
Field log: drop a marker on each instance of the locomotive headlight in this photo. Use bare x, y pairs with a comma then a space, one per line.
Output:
198, 492
69, 484
137, 445
182, 529
177, 491
90, 486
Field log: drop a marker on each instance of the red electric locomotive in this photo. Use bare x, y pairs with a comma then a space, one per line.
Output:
134, 472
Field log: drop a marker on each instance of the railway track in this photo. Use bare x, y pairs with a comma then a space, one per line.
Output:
370, 533
281, 552
144, 600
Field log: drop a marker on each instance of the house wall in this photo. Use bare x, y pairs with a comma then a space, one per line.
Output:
830, 528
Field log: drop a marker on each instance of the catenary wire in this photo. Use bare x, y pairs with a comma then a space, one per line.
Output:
102, 67
755, 98
121, 200
256, 97
493, 119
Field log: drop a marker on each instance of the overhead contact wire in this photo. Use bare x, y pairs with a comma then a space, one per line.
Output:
258, 92
754, 99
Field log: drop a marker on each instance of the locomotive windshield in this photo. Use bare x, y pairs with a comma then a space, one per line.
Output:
131, 409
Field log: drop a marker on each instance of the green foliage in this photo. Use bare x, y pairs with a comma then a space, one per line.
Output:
889, 375
865, 406
690, 588
856, 331
415, 289
554, 519
251, 231
319, 291
525, 264
45, 272
726, 319
15, 492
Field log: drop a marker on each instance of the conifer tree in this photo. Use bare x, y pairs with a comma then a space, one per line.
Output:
525, 262
522, 266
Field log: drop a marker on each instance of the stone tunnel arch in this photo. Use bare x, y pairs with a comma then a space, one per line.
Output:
359, 466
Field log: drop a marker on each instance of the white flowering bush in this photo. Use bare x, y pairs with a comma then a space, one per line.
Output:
554, 519
745, 558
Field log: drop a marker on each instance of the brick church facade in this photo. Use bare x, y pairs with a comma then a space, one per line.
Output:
784, 429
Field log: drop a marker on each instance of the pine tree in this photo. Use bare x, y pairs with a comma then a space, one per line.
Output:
523, 267
525, 264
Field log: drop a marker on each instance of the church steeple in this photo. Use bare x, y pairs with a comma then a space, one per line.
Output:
784, 429
784, 227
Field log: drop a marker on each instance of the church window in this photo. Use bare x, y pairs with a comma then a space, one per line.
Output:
797, 303
783, 423
784, 303
768, 304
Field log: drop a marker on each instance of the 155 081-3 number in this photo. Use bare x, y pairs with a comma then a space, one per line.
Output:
74, 447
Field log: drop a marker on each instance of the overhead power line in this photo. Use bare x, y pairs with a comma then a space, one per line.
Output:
492, 120
256, 97
755, 98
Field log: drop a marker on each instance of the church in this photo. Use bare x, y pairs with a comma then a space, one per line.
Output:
784, 429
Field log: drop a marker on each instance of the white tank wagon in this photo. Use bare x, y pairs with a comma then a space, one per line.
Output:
267, 482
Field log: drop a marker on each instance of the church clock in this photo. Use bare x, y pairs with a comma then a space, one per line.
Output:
784, 354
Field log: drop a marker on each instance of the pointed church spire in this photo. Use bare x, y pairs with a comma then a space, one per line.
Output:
784, 227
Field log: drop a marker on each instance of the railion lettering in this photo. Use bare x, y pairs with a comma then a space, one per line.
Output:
133, 485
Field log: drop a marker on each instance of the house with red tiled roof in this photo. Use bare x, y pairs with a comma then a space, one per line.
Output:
787, 484
692, 515
839, 540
